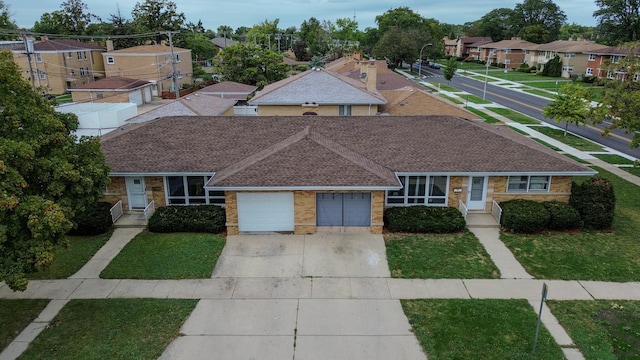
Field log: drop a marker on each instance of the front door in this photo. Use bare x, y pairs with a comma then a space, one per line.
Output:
137, 192
477, 193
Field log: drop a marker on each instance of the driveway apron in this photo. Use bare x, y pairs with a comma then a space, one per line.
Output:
262, 320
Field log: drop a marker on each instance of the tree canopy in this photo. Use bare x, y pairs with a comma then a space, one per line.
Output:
46, 176
73, 18
6, 23
571, 106
618, 21
249, 64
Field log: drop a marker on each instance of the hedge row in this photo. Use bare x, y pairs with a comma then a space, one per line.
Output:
528, 216
94, 220
595, 201
423, 219
200, 218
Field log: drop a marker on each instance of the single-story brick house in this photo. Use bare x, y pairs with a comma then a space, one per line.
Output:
304, 173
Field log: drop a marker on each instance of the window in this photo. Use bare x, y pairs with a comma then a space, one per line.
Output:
83, 71
589, 71
592, 57
38, 57
609, 75
111, 60
636, 77
547, 54
84, 55
615, 58
426, 190
344, 110
166, 58
507, 61
99, 95
79, 54
177, 58
526, 52
569, 55
528, 183
568, 68
507, 51
42, 74
189, 190
179, 74
69, 55
72, 72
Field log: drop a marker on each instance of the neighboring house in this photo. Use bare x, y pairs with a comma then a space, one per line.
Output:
59, 65
305, 174
222, 42
114, 90
194, 104
230, 90
599, 61
98, 119
466, 45
573, 53
152, 63
319, 91
510, 53
450, 46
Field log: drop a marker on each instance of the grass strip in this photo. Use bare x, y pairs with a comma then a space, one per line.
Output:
15, 315
444, 87
477, 100
614, 159
632, 170
519, 131
453, 100
601, 329
450, 256
478, 329
570, 139
554, 148
69, 259
166, 256
514, 115
111, 329
588, 255
541, 93
487, 118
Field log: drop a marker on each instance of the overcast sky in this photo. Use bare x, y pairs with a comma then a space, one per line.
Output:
294, 12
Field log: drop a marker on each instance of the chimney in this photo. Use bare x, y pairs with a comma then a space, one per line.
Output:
43, 38
369, 74
109, 45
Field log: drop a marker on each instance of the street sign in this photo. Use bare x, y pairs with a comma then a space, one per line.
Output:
545, 290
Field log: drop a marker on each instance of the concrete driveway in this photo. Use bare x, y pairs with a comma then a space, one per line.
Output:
307, 326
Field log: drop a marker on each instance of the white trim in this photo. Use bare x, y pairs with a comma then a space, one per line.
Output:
485, 184
293, 188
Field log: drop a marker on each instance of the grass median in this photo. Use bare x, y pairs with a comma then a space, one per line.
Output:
111, 329
15, 315
166, 256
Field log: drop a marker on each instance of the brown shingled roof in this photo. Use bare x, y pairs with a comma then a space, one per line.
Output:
327, 151
113, 83
63, 45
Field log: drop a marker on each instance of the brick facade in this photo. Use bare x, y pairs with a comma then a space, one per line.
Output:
117, 190
560, 190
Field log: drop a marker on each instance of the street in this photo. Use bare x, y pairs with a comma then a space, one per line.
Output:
532, 106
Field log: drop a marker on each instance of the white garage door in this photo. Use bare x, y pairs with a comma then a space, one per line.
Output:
136, 97
265, 211
147, 94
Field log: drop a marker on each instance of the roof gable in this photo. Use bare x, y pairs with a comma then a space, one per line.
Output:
319, 86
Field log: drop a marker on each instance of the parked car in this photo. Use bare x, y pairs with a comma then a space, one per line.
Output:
434, 65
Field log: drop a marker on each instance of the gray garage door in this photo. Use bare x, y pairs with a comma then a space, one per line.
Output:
343, 209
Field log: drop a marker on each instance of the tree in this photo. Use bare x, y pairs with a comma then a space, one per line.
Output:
316, 62
249, 64
397, 46
575, 31
618, 21
539, 12
553, 67
570, 106
122, 26
71, 19
620, 103
496, 24
535, 33
46, 176
312, 33
157, 15
201, 46
402, 18
262, 34
224, 31
6, 23
450, 68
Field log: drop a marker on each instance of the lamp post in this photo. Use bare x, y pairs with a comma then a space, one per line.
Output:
420, 66
486, 75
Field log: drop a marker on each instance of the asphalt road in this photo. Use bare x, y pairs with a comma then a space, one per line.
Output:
532, 106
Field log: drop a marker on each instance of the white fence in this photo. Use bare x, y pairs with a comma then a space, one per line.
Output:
150, 209
116, 211
463, 209
496, 211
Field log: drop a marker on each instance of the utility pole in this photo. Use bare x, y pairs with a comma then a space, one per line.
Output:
26, 47
173, 61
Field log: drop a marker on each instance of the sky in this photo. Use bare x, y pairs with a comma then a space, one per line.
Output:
293, 12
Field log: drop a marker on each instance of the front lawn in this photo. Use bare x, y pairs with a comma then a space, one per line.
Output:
514, 115
438, 256
571, 140
477, 100
590, 255
601, 329
15, 315
111, 329
166, 256
452, 99
487, 118
478, 329
614, 159
444, 87
68, 260
541, 93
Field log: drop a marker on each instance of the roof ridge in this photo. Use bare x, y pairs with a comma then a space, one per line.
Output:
260, 155
356, 158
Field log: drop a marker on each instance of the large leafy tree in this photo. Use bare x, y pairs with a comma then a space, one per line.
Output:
620, 103
571, 106
618, 21
398, 45
6, 23
496, 24
314, 36
46, 176
157, 15
263, 34
249, 64
73, 18
539, 12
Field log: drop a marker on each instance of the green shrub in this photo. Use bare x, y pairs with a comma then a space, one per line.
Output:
302, 68
423, 219
595, 201
523, 216
562, 216
196, 218
94, 220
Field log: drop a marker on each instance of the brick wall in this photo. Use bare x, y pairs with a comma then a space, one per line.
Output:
560, 190
304, 213
231, 209
116, 191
